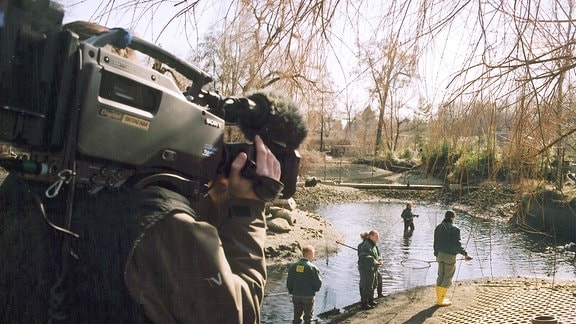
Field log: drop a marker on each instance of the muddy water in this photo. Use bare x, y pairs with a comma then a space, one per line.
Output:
498, 251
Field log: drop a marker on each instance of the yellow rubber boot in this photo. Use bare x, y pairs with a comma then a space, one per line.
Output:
441, 299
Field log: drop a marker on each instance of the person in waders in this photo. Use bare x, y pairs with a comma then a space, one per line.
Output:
368, 263
303, 281
446, 246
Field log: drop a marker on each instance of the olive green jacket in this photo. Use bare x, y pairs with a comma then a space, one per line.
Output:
447, 239
368, 252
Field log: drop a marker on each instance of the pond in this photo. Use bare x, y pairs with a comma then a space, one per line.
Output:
498, 249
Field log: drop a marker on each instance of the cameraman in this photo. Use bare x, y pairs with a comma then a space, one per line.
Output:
185, 267
142, 256
131, 256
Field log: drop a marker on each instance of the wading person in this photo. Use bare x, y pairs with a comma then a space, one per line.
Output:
303, 281
368, 263
408, 218
446, 246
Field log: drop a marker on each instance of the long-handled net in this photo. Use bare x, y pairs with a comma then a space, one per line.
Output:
415, 272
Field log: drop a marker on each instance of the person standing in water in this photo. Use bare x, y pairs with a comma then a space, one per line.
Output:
446, 246
303, 281
408, 218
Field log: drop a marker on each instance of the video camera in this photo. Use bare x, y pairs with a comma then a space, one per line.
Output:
74, 110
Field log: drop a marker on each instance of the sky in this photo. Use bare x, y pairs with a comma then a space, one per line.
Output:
153, 26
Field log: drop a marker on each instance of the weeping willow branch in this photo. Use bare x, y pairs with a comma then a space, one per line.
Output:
549, 145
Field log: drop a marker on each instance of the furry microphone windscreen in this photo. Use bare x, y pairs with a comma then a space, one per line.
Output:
276, 119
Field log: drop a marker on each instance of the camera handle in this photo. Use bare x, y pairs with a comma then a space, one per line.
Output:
121, 38
199, 78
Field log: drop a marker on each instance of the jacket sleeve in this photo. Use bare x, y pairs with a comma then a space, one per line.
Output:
243, 233
457, 242
317, 279
290, 279
183, 270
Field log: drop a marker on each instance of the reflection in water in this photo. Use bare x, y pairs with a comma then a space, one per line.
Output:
498, 251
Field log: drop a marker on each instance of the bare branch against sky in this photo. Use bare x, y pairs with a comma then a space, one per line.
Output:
463, 48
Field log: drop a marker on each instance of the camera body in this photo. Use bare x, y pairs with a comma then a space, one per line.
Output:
76, 107
131, 115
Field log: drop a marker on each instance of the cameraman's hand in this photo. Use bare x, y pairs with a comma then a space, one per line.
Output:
266, 165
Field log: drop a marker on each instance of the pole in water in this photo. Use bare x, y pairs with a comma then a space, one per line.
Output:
348, 246
276, 294
327, 254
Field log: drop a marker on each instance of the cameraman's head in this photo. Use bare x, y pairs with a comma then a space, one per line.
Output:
86, 29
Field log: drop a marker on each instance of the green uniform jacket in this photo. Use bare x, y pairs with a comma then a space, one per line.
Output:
303, 278
447, 239
367, 253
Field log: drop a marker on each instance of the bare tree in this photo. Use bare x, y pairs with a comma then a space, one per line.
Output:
526, 59
387, 61
266, 44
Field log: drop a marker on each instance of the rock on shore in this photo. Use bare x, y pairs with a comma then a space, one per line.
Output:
310, 228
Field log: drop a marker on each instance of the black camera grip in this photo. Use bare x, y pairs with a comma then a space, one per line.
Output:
267, 188
264, 187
